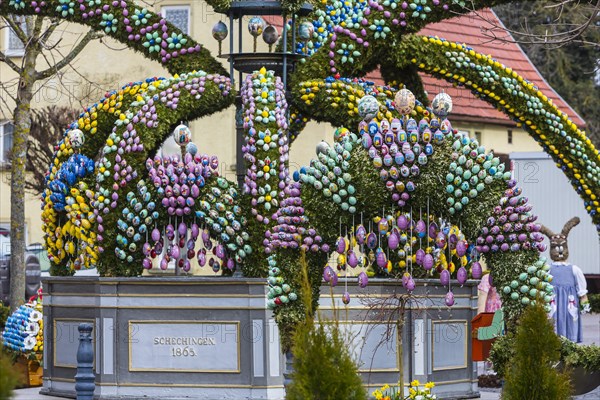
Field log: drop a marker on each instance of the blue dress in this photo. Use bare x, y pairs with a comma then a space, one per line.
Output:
565, 304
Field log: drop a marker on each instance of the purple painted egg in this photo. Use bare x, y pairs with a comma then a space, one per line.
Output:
164, 263
363, 280
328, 274
445, 277
428, 261
170, 231
394, 240
420, 256
461, 275
352, 260
155, 235
346, 298
402, 222
201, 258
341, 245
147, 263
371, 240
461, 248
230, 264
410, 284
421, 228
440, 240
182, 229
476, 270
380, 258
449, 299
195, 231
361, 234
175, 252
433, 230
220, 251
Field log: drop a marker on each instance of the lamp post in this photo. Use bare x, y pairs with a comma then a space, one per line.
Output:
281, 61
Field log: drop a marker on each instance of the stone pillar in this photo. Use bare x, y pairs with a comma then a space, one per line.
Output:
85, 378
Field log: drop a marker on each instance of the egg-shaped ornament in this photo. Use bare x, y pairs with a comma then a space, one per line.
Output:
449, 299
182, 135
476, 270
442, 105
256, 27
368, 107
405, 101
322, 147
305, 31
270, 36
76, 138
445, 277
220, 32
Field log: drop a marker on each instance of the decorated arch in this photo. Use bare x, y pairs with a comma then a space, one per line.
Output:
399, 192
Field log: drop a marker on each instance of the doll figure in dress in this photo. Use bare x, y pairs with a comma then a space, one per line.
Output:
570, 288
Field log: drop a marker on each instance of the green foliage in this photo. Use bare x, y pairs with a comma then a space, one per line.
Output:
503, 351
575, 356
323, 366
531, 374
594, 302
8, 376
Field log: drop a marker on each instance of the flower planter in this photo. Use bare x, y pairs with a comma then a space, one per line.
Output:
30, 372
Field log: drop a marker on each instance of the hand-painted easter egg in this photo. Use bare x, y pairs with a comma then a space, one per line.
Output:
442, 105
220, 31
428, 261
404, 101
461, 275
363, 280
449, 299
445, 277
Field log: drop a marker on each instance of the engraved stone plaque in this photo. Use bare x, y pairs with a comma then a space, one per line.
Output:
184, 346
66, 341
449, 345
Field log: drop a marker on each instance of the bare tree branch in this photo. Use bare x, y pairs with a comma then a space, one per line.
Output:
558, 32
16, 28
10, 63
91, 35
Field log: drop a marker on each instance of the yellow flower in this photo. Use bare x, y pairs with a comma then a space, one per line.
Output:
412, 391
429, 385
415, 383
377, 394
385, 387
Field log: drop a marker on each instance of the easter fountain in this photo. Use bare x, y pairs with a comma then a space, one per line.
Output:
399, 194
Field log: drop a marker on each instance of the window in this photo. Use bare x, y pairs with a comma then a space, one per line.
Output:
178, 16
478, 137
6, 140
14, 46
510, 136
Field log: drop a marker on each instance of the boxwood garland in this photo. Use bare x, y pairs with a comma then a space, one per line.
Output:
131, 24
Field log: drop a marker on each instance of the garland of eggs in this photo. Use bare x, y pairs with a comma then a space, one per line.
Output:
24, 329
512, 225
469, 172
400, 148
329, 173
117, 168
179, 185
279, 293
532, 285
147, 32
292, 229
266, 149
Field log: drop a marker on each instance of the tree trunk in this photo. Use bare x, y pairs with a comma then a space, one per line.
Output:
22, 122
